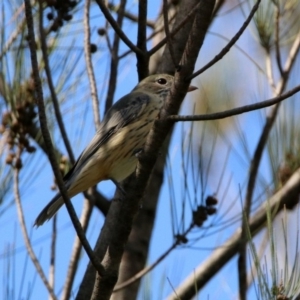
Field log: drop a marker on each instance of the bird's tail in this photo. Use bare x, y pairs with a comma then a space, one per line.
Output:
49, 211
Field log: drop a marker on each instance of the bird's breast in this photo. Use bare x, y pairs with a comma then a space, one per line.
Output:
124, 144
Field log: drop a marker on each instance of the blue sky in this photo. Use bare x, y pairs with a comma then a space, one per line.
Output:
241, 78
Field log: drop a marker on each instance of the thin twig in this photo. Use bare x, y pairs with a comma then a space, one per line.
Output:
236, 111
226, 49
255, 162
261, 69
219, 257
89, 65
167, 31
13, 37
109, 46
74, 260
46, 135
116, 27
277, 47
269, 70
30, 251
146, 270
150, 37
174, 31
114, 62
131, 16
52, 88
52, 253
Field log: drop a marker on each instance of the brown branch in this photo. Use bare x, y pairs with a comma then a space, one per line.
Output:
116, 27
230, 44
89, 65
218, 258
28, 245
236, 111
150, 37
131, 16
13, 37
174, 31
255, 162
114, 234
74, 260
52, 253
167, 31
47, 138
142, 59
52, 88
146, 270
277, 46
114, 62
138, 244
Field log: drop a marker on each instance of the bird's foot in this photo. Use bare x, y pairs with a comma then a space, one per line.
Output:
137, 152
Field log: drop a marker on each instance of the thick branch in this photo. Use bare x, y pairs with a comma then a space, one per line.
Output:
116, 229
202, 274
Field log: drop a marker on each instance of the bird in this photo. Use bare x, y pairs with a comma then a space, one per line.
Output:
112, 153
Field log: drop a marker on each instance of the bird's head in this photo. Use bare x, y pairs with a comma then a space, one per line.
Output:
158, 83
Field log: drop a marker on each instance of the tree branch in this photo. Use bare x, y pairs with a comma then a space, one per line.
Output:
117, 28
117, 226
218, 258
47, 139
89, 65
230, 44
52, 88
255, 162
114, 62
30, 251
236, 111
142, 59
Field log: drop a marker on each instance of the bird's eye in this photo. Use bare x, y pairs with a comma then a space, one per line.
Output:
162, 81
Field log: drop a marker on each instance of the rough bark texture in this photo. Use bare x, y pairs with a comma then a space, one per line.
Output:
115, 232
136, 250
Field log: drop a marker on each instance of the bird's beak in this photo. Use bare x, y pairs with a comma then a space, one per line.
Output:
192, 88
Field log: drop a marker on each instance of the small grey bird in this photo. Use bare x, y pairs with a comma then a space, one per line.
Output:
111, 155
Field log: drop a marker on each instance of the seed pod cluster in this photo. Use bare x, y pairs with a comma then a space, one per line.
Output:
16, 125
202, 212
61, 12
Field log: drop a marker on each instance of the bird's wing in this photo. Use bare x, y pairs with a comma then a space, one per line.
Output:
122, 113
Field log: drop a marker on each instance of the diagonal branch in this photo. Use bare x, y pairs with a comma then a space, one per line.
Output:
47, 138
146, 270
236, 111
218, 258
117, 28
117, 226
30, 251
52, 88
75, 256
230, 44
186, 19
89, 65
114, 62
131, 16
255, 162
